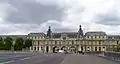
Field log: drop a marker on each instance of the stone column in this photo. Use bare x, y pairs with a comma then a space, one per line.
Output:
33, 48
44, 49
39, 48
79, 48
49, 49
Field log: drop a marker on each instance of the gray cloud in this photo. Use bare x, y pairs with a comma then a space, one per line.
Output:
110, 18
56, 27
24, 16
30, 11
23, 28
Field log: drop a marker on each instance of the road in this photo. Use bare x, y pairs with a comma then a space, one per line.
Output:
40, 58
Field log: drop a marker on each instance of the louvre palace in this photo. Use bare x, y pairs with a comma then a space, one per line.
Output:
52, 42
74, 41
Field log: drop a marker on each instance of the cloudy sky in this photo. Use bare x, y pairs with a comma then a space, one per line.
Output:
25, 16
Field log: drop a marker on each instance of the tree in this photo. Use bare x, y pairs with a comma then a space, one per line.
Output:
1, 44
8, 43
28, 43
18, 46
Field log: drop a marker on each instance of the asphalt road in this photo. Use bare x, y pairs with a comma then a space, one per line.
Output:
40, 58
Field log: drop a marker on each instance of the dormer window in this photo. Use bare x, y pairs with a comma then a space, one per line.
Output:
64, 38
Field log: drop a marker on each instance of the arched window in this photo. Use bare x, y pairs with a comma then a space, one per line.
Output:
95, 48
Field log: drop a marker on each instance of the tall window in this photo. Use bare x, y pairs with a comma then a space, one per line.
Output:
38, 42
38, 48
88, 48
72, 42
55, 42
99, 42
99, 48
91, 37
95, 48
35, 37
95, 37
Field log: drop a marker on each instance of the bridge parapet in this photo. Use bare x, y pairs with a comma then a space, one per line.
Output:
112, 55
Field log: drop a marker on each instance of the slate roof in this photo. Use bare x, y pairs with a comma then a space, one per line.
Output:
113, 36
95, 34
72, 34
56, 35
69, 34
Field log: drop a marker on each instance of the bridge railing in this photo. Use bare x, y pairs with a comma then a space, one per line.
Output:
112, 55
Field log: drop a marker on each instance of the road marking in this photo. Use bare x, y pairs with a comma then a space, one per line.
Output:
8, 62
63, 61
25, 58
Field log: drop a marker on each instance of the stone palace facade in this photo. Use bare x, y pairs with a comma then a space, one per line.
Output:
74, 41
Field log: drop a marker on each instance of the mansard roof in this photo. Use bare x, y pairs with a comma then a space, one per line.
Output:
56, 35
72, 34
36, 34
113, 36
69, 34
95, 33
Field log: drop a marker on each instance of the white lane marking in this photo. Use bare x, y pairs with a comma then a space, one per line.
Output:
10, 57
25, 58
8, 62
62, 61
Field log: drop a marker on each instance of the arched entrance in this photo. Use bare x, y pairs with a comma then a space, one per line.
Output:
73, 49
55, 49
47, 49
64, 48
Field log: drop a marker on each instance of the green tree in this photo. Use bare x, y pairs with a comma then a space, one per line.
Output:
28, 43
8, 43
18, 46
1, 44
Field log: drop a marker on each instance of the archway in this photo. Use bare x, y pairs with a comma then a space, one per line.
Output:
73, 49
64, 48
55, 49
47, 49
